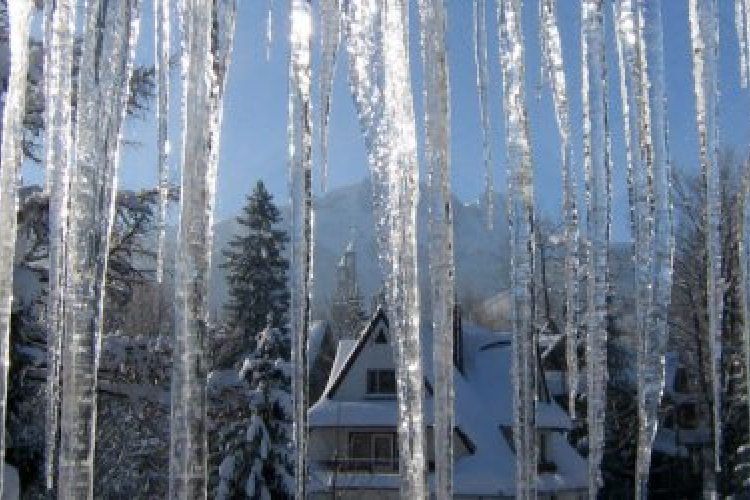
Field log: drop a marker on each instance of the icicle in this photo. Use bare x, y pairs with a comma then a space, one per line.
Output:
269, 30
380, 82
208, 34
521, 211
644, 110
437, 130
59, 141
19, 14
596, 159
111, 30
552, 50
705, 36
330, 36
161, 58
483, 83
300, 174
739, 24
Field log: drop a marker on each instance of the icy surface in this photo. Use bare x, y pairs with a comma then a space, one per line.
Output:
300, 187
521, 210
19, 13
597, 168
553, 62
110, 34
161, 41
483, 84
207, 34
433, 25
704, 33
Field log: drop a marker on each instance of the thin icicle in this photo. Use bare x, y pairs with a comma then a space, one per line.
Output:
705, 37
483, 83
11, 156
330, 38
644, 110
300, 175
552, 49
269, 30
433, 28
380, 83
59, 141
663, 247
596, 159
739, 25
207, 34
521, 211
161, 58
111, 31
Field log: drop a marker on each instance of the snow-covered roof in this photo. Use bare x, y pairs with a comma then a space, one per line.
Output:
483, 406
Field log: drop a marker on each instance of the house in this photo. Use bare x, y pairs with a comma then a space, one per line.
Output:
352, 444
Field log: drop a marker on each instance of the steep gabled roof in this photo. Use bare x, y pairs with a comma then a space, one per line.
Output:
378, 318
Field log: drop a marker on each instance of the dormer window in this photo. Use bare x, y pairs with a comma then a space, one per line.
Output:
381, 382
380, 338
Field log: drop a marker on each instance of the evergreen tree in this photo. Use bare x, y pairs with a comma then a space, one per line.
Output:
256, 267
261, 465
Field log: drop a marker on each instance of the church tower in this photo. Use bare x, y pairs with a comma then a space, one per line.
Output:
347, 314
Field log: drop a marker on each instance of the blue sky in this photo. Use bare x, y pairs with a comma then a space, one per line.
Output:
254, 133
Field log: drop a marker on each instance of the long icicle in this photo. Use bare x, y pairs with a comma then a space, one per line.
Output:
433, 26
596, 160
19, 13
704, 38
111, 31
403, 172
744, 242
59, 141
483, 83
208, 35
161, 58
330, 38
300, 174
521, 208
380, 84
552, 48
657, 332
631, 51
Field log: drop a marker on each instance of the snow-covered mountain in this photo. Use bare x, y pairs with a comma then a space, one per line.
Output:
346, 213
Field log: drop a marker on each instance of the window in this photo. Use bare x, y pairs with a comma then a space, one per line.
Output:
380, 338
545, 460
381, 382
373, 452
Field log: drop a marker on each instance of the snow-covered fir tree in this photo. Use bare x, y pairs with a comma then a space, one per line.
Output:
260, 464
256, 266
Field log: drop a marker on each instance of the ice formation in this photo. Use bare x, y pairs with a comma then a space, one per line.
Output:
330, 38
59, 159
554, 67
377, 44
19, 13
207, 35
161, 49
521, 214
483, 84
704, 35
300, 175
639, 48
433, 27
597, 169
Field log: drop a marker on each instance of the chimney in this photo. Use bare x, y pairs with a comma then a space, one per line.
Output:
458, 339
